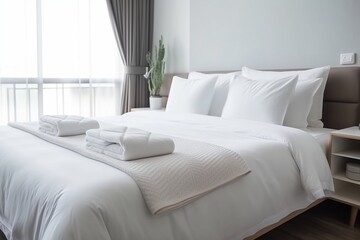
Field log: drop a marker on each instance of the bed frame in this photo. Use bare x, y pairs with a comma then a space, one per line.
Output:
341, 109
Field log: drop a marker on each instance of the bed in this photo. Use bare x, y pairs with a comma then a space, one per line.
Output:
50, 192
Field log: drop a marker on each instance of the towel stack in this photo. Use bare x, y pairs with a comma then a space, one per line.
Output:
66, 125
125, 143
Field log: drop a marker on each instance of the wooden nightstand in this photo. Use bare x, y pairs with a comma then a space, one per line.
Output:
344, 148
146, 109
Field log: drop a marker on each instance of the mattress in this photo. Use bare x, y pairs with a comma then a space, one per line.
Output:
49, 192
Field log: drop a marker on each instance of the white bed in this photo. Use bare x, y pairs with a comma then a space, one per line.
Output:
49, 192
322, 136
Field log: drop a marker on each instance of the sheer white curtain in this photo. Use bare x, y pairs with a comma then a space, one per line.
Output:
57, 57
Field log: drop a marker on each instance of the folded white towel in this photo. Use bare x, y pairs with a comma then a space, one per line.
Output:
93, 147
47, 128
128, 143
113, 150
97, 141
66, 125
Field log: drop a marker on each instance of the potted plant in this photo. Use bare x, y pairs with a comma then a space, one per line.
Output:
155, 74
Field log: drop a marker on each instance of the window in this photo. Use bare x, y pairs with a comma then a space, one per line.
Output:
57, 57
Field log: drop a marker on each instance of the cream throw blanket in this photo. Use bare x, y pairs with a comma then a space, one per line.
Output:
166, 182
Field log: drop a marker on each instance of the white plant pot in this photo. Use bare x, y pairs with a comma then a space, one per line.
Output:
155, 102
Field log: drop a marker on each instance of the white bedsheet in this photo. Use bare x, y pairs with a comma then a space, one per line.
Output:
48, 192
322, 136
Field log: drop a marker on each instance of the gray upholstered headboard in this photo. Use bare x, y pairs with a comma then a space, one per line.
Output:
341, 98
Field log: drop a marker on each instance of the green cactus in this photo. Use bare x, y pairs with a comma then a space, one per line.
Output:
157, 68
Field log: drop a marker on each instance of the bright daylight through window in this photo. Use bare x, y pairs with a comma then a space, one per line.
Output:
57, 57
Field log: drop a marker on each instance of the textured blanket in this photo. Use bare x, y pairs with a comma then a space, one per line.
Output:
166, 182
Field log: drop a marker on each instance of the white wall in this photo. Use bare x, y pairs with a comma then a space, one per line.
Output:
228, 34
172, 20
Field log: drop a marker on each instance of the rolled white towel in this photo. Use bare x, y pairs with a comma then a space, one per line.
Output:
131, 143
66, 125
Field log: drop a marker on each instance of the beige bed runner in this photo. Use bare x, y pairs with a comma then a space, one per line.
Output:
166, 182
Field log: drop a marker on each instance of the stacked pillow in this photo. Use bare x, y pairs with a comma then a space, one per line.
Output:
301, 102
290, 98
221, 89
201, 93
264, 101
191, 96
315, 115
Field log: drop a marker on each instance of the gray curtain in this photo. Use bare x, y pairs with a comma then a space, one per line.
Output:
132, 22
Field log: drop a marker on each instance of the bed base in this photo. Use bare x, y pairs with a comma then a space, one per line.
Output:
284, 220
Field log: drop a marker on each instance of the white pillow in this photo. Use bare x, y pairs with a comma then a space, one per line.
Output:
301, 102
264, 101
190, 96
221, 89
315, 115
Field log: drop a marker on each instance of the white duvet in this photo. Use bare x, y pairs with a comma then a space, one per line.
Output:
49, 192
